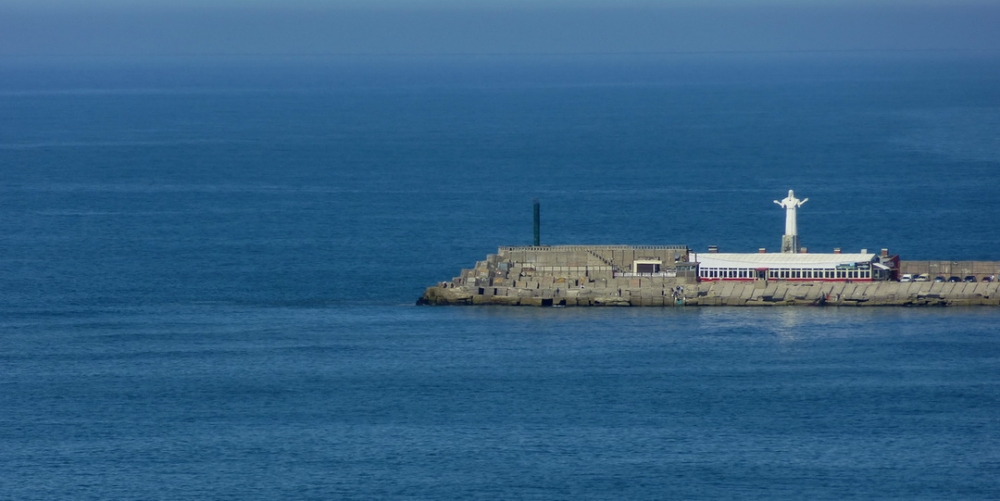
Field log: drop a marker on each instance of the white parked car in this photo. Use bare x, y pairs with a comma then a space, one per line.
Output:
923, 277
906, 278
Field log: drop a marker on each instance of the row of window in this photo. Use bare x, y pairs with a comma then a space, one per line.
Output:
862, 271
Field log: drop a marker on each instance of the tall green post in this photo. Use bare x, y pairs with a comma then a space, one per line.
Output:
538, 224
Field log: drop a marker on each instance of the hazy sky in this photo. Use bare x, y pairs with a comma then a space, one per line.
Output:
115, 27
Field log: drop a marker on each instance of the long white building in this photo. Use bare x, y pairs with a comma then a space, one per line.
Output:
861, 267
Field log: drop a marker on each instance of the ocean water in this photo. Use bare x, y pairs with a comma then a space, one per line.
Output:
209, 267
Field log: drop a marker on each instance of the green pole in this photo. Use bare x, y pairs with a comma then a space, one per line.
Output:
538, 224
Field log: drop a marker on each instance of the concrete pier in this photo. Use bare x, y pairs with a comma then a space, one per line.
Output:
662, 276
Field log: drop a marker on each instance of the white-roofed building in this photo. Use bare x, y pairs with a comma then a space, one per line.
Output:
862, 267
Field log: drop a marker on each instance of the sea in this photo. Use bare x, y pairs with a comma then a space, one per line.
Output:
209, 268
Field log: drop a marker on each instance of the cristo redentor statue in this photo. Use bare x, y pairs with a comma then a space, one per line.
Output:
790, 240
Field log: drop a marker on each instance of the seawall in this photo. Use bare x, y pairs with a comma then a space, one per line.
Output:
606, 276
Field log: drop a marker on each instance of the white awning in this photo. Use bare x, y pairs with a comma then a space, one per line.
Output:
779, 260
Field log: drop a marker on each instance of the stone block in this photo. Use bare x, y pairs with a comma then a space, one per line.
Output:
531, 301
504, 300
860, 292
798, 291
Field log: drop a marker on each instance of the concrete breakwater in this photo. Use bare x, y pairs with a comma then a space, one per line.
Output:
663, 276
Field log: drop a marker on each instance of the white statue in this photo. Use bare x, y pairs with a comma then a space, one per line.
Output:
791, 203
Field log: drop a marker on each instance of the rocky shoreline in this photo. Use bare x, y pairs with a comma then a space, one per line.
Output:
725, 294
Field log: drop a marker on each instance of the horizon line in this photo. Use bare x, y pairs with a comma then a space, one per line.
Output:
492, 54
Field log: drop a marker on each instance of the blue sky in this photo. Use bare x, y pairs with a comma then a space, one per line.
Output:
121, 27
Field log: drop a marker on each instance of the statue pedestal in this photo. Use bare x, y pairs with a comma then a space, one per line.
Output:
790, 244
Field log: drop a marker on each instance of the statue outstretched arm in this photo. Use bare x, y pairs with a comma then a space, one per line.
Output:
802, 202
777, 202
